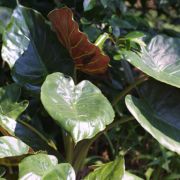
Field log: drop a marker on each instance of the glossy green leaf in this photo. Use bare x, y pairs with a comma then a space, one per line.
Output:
134, 35
5, 15
82, 110
110, 171
10, 109
11, 150
62, 171
32, 50
10, 146
161, 60
89, 4
36, 166
45, 167
158, 112
130, 176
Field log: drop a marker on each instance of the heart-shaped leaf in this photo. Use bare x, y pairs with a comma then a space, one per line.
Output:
12, 150
45, 167
161, 60
87, 57
158, 112
32, 50
112, 170
81, 110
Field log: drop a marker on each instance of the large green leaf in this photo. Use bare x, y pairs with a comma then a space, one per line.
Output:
10, 146
161, 60
32, 50
42, 166
11, 150
110, 171
10, 109
81, 110
158, 112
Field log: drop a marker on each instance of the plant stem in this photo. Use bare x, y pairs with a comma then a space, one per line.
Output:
118, 122
69, 147
75, 76
110, 144
80, 154
10, 170
128, 89
49, 142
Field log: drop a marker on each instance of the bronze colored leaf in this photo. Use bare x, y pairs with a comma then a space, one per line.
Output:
87, 57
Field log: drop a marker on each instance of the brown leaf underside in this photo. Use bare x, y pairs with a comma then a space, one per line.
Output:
87, 57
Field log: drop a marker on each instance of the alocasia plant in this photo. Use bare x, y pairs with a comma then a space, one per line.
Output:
42, 62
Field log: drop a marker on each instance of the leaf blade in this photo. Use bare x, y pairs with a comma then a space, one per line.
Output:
161, 61
12, 150
112, 170
87, 57
43, 166
36, 165
32, 53
158, 116
81, 110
